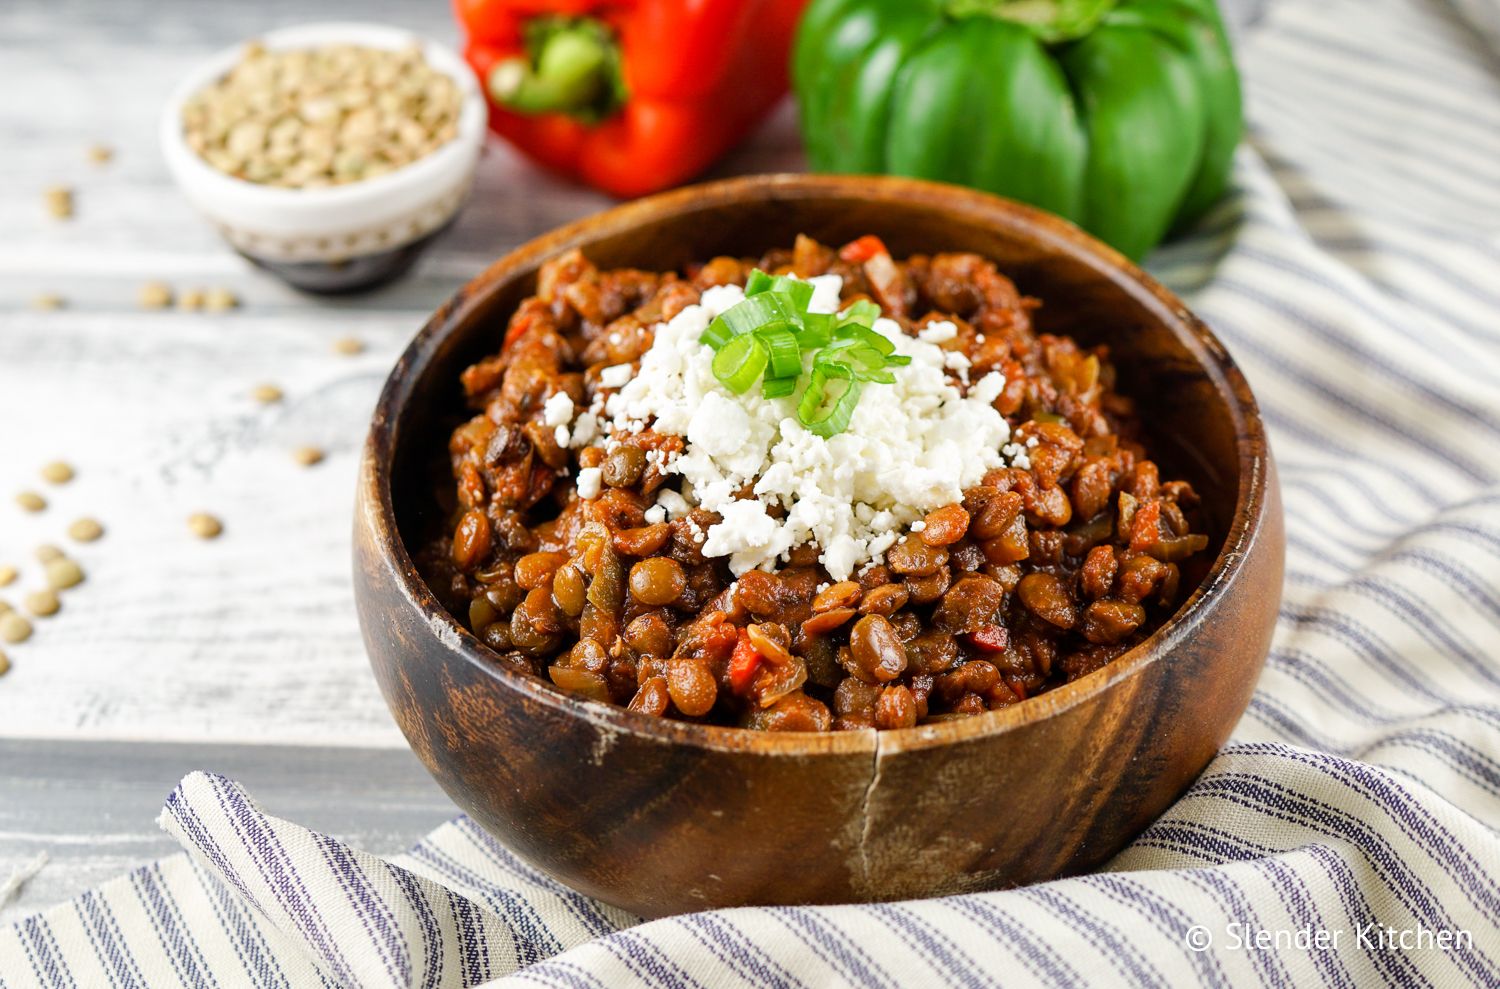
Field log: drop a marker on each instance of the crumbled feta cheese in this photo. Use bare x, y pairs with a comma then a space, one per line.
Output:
918, 525
988, 388
590, 483
910, 447
957, 362
940, 332
615, 376
655, 514
827, 293
673, 503
562, 436
558, 409
585, 429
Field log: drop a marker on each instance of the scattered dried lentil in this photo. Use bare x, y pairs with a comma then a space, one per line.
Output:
219, 300
47, 301
63, 574
14, 627
303, 118
101, 154
307, 456
59, 199
348, 346
8, 575
31, 501
190, 299
204, 526
46, 553
42, 604
4, 664
266, 394
57, 472
155, 295
85, 530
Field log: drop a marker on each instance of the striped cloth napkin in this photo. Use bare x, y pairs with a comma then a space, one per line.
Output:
1346, 837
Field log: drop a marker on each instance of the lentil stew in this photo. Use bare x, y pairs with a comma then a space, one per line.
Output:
558, 552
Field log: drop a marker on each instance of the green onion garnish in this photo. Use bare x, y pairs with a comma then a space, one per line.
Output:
739, 363
778, 387
827, 414
786, 356
768, 333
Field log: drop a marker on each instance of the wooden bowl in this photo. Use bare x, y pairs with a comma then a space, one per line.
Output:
660, 816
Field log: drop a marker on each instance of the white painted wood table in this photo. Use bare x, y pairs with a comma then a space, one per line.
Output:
240, 655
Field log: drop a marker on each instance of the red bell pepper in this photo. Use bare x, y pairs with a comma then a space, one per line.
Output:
743, 663
629, 96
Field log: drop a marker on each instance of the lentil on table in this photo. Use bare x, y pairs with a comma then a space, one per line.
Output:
1040, 575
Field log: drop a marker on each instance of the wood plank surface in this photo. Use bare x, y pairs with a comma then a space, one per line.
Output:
92, 806
251, 637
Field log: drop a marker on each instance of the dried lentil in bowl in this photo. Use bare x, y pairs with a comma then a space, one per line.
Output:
1045, 570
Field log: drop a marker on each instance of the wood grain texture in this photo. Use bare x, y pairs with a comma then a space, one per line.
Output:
678, 816
93, 810
252, 637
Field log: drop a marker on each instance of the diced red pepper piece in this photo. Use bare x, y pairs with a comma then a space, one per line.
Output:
1145, 528
990, 638
743, 663
863, 249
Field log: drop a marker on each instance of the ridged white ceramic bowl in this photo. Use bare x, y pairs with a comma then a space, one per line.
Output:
344, 237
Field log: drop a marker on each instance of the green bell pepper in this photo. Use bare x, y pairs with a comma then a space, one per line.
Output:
1121, 115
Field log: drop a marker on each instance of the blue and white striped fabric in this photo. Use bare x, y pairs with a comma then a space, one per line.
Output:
1354, 818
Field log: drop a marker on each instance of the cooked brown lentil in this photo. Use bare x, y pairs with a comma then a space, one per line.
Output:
1040, 575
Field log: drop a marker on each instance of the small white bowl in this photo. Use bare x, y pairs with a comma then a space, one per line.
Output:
342, 237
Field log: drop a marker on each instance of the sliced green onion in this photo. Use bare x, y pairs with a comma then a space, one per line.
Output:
740, 362
717, 334
850, 350
816, 331
747, 316
757, 283
796, 289
866, 336
823, 414
764, 337
864, 311
781, 342
778, 387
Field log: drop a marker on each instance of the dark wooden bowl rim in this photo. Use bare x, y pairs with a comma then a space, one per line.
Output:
1049, 229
